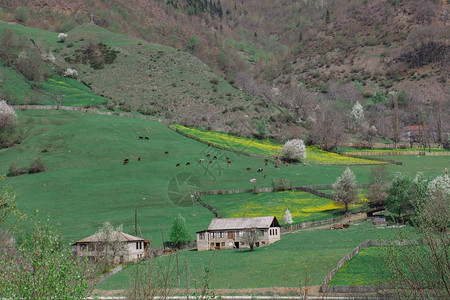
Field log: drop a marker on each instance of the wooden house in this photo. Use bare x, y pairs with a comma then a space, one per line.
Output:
125, 246
228, 233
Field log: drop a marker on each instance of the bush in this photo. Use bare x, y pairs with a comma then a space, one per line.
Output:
37, 166
294, 150
14, 170
22, 14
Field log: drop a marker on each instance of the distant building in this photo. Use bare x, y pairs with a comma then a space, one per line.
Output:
128, 247
415, 133
228, 233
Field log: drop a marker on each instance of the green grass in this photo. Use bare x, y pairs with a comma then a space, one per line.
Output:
366, 268
303, 206
285, 263
86, 183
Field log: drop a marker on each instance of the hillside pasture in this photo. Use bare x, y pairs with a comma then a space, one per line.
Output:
86, 182
266, 147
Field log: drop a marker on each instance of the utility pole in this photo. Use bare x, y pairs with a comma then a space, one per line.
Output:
135, 221
187, 279
162, 233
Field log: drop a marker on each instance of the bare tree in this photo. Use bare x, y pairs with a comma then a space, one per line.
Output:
328, 128
251, 237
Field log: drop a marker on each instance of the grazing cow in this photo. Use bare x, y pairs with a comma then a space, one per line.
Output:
210, 162
249, 169
265, 175
178, 165
260, 170
208, 155
283, 162
141, 137
146, 138
229, 162
266, 160
227, 158
125, 161
188, 164
265, 163
139, 158
215, 157
201, 160
167, 152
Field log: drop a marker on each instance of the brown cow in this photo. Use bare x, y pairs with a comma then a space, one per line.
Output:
167, 152
265, 175
125, 161
229, 162
139, 158
188, 164
249, 169
178, 165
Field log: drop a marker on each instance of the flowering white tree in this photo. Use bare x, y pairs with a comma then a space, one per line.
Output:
71, 73
287, 218
294, 150
48, 57
62, 37
7, 115
439, 188
344, 189
357, 113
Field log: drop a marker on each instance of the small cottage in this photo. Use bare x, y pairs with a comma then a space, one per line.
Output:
228, 233
125, 246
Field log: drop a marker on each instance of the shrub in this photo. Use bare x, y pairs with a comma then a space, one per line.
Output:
14, 170
36, 166
294, 150
22, 14
71, 73
62, 37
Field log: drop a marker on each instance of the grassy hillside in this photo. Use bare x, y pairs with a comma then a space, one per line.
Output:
86, 182
153, 79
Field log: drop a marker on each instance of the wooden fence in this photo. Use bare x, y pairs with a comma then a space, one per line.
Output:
324, 287
290, 228
395, 153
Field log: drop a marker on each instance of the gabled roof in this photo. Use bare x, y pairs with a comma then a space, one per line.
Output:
117, 236
243, 223
415, 128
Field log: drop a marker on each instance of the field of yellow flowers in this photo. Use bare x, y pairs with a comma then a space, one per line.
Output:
303, 206
266, 147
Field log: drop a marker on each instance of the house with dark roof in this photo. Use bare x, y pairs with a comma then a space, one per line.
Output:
228, 233
125, 246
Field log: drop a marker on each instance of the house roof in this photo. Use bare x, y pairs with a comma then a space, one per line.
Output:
243, 223
117, 235
415, 128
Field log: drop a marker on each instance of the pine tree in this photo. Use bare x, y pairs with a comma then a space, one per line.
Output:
179, 234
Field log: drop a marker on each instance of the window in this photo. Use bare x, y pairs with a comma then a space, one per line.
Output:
137, 245
201, 235
223, 244
220, 234
212, 244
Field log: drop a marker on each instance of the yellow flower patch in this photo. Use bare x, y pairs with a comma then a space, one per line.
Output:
315, 155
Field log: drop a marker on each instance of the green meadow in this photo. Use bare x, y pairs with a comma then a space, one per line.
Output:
307, 255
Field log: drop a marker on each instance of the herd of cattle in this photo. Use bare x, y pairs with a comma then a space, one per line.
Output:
210, 160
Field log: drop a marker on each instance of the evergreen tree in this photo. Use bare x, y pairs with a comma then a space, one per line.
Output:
179, 234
